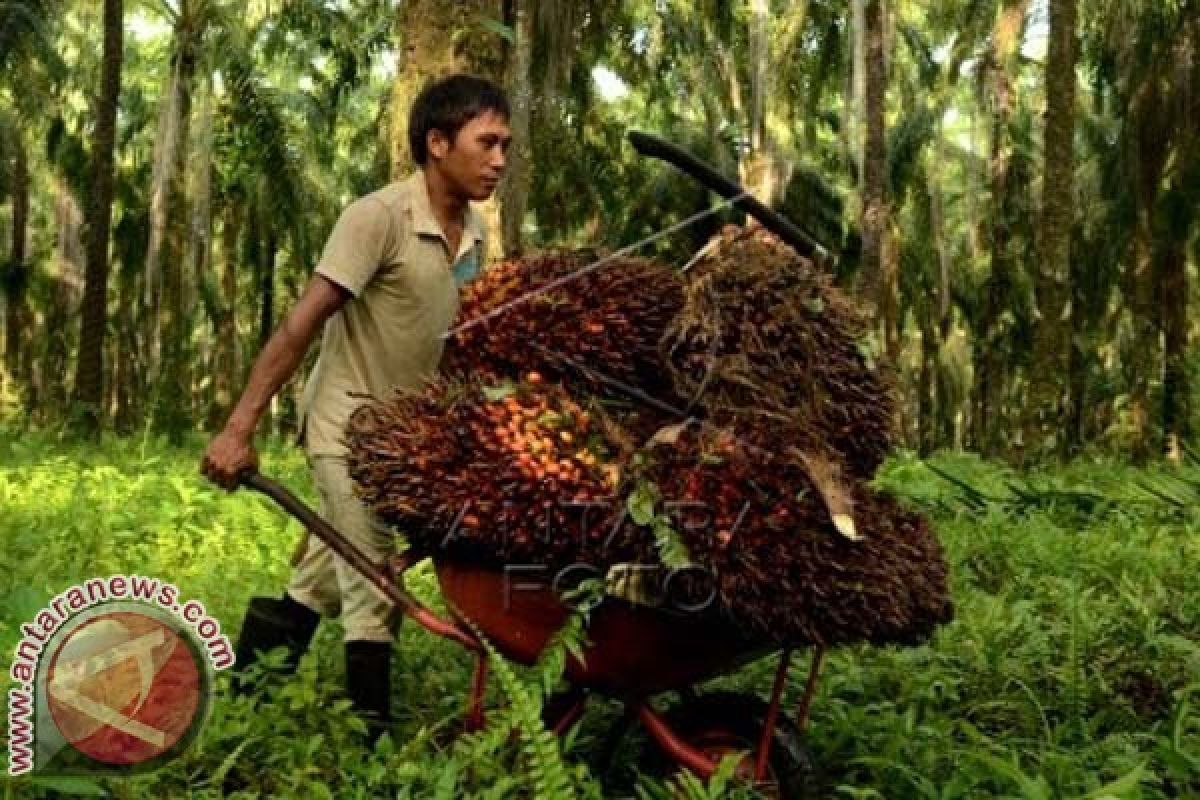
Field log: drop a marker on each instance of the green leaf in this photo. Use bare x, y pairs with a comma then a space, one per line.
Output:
1120, 787
78, 787
868, 348
671, 549
447, 782
1180, 765
641, 503
550, 419
227, 763
496, 393
500, 29
1032, 787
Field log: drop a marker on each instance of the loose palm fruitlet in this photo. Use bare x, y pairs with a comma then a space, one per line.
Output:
762, 329
749, 509
595, 322
511, 475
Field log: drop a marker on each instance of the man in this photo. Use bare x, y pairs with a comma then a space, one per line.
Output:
386, 290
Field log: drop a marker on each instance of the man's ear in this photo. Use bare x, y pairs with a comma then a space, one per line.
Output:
436, 143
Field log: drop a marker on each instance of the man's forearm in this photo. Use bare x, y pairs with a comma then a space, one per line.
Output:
274, 366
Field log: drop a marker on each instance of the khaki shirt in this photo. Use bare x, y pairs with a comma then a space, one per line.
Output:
390, 253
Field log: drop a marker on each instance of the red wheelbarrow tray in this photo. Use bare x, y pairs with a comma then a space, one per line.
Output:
633, 651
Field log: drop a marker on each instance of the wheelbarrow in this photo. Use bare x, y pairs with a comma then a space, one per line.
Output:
635, 654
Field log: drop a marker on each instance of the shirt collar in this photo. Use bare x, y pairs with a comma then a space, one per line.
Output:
424, 221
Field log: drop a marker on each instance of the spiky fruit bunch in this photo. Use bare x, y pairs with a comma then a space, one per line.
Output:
517, 474
405, 454
594, 321
763, 329
792, 551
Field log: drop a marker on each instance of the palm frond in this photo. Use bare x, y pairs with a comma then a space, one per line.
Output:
919, 48
906, 140
26, 35
258, 112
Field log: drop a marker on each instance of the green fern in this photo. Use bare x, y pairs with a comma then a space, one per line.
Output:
540, 748
643, 509
570, 639
550, 775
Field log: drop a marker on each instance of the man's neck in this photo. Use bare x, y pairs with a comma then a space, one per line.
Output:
448, 207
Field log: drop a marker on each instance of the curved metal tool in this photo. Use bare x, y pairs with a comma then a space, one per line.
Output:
657, 147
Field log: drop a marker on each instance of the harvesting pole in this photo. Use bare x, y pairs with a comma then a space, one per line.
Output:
656, 147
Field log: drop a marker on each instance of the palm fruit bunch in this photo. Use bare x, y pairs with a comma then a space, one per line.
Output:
762, 329
766, 494
508, 474
762, 520
396, 447
591, 320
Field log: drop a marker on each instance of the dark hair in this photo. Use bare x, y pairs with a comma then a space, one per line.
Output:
449, 104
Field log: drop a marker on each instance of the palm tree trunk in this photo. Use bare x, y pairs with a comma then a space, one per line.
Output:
89, 376
514, 193
437, 40
200, 234
166, 142
927, 411
1139, 280
877, 289
1173, 288
266, 266
1179, 219
1073, 433
226, 373
1143, 360
16, 314
856, 100
761, 168
429, 48
759, 57
126, 370
199, 245
1051, 334
174, 400
266, 319
944, 434
755, 168
1006, 41
64, 302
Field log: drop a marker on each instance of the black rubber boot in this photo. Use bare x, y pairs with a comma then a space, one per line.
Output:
272, 623
369, 684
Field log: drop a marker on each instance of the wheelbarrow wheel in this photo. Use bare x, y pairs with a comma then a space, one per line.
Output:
719, 723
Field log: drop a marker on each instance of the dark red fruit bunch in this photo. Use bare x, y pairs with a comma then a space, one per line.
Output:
762, 329
595, 322
760, 518
514, 474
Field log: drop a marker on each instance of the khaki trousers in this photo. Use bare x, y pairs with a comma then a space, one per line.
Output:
324, 582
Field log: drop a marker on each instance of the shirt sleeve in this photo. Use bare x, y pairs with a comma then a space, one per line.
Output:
354, 251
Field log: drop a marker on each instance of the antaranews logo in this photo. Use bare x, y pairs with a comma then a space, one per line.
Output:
114, 675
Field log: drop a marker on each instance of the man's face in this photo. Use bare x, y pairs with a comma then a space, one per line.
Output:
475, 161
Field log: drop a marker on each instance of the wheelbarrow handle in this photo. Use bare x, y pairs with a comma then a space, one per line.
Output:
657, 147
357, 559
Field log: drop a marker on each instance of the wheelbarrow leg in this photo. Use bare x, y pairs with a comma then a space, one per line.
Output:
768, 732
561, 711
475, 716
810, 689
678, 750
